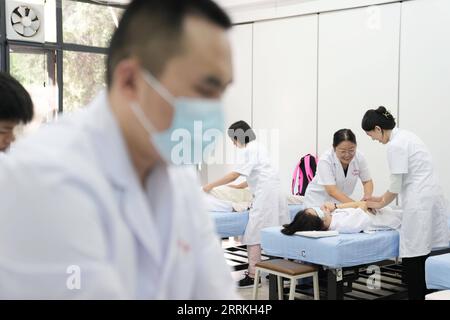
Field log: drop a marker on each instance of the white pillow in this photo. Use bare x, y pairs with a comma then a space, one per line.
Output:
232, 194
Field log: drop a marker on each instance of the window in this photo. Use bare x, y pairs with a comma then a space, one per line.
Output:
89, 24
35, 70
67, 71
84, 76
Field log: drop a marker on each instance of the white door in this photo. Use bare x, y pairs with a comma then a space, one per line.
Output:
425, 78
238, 97
358, 70
285, 90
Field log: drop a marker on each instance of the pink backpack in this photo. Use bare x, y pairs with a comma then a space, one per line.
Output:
304, 172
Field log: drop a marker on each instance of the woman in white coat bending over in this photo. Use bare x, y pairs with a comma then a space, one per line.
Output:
424, 220
338, 171
269, 205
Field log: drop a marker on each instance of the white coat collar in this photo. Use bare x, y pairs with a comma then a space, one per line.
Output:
110, 144
394, 132
116, 163
334, 157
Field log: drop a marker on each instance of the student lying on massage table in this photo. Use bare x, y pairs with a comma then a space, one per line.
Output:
351, 217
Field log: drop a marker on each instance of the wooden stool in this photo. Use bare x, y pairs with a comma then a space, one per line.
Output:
287, 269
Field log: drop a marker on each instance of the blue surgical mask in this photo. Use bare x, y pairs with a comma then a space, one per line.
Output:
195, 123
319, 212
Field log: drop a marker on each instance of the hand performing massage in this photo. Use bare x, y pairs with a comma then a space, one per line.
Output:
351, 217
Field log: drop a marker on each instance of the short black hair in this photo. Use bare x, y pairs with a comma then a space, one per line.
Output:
343, 135
378, 117
242, 132
15, 102
303, 222
152, 30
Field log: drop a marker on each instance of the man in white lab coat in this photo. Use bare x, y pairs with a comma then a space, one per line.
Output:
94, 207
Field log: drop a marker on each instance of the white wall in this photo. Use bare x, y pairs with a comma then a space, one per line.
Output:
238, 98
395, 54
258, 10
284, 89
358, 70
425, 78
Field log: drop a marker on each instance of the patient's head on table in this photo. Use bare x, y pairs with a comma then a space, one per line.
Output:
305, 220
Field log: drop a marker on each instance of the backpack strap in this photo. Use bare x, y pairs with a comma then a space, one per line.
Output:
309, 172
300, 177
294, 177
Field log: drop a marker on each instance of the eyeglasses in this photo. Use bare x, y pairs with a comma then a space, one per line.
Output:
346, 152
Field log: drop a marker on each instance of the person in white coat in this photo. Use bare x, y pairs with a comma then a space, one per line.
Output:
269, 206
424, 219
338, 171
94, 208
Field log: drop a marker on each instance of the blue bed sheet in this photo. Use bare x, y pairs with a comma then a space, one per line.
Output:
344, 250
232, 224
437, 272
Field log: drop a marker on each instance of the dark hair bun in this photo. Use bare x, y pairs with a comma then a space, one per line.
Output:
382, 111
379, 117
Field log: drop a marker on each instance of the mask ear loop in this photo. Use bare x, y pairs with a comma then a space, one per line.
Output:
161, 90
140, 115
158, 87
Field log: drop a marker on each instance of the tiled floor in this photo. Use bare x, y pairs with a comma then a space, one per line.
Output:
391, 278
233, 260
247, 293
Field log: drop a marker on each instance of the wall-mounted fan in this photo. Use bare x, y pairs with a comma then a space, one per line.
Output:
25, 21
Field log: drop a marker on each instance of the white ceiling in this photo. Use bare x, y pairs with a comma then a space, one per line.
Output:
257, 3
232, 4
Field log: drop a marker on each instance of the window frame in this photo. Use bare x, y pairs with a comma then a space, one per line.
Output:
50, 63
58, 47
